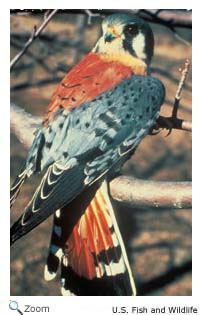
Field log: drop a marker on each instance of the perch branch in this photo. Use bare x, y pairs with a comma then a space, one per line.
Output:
36, 32
147, 193
128, 190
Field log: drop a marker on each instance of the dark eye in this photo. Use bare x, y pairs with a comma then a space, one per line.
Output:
131, 30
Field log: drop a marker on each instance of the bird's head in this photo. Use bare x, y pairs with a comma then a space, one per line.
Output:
126, 34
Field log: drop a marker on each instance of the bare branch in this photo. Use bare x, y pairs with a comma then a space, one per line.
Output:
91, 15
129, 190
174, 18
184, 73
23, 125
36, 32
186, 125
173, 122
147, 193
169, 18
36, 59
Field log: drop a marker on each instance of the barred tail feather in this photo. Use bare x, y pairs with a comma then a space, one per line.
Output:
92, 256
117, 231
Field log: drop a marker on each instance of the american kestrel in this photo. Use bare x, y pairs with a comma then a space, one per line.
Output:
96, 118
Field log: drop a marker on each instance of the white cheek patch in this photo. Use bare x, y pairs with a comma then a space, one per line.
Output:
109, 48
113, 46
139, 45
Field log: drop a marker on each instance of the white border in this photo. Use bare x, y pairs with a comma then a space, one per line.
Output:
85, 305
53, 4
4, 156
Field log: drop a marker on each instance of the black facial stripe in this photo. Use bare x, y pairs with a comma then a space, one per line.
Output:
127, 46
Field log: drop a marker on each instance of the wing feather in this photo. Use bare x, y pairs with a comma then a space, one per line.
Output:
87, 80
78, 157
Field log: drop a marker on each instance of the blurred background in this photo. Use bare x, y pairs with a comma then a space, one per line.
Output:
158, 241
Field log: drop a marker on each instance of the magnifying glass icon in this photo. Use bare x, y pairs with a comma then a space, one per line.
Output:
13, 305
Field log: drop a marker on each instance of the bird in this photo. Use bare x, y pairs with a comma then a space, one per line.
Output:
99, 113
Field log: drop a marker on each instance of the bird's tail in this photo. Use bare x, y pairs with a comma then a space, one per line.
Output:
92, 255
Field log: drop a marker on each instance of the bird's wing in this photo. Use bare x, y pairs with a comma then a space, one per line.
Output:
87, 80
82, 145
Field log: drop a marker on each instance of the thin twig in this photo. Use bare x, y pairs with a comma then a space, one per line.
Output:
169, 18
91, 15
173, 122
36, 32
37, 59
184, 73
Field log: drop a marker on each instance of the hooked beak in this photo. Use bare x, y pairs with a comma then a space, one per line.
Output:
110, 35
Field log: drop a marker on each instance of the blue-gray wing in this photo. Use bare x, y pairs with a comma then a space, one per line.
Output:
80, 146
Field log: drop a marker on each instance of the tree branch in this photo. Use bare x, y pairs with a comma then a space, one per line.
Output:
36, 32
147, 193
91, 15
173, 122
170, 18
134, 192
